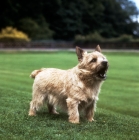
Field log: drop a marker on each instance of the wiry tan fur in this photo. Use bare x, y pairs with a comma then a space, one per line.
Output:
72, 89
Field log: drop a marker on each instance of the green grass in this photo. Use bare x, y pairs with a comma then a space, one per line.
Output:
117, 114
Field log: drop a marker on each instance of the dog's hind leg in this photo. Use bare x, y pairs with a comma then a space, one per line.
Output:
32, 110
52, 109
36, 103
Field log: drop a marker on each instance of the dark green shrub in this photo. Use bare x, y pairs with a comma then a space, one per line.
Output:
36, 29
91, 38
125, 38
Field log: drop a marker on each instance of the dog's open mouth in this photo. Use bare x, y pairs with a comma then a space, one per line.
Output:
102, 73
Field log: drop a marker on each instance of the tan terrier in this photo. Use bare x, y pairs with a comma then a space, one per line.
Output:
72, 89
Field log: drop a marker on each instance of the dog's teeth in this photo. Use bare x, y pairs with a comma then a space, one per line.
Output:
102, 75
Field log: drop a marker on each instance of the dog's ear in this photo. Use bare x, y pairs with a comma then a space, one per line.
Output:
79, 53
98, 48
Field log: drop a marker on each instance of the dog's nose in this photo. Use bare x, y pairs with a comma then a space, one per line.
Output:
104, 63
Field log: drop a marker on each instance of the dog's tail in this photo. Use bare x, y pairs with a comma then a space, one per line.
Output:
35, 72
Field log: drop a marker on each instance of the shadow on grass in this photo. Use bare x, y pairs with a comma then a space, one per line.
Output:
58, 117
63, 116
43, 114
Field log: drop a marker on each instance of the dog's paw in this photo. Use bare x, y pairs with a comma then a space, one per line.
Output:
55, 113
32, 113
91, 120
74, 121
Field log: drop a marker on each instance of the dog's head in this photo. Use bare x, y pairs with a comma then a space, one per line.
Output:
94, 63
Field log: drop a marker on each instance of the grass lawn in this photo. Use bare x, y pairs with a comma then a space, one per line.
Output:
117, 114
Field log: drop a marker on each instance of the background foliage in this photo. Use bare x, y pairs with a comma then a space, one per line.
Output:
57, 19
12, 34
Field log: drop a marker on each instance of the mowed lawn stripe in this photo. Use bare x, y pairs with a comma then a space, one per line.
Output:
117, 113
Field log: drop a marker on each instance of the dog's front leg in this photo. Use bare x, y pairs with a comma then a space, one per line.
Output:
89, 111
73, 110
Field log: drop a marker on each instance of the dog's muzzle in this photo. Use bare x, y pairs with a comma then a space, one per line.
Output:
103, 70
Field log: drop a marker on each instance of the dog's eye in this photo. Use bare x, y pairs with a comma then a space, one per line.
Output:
93, 60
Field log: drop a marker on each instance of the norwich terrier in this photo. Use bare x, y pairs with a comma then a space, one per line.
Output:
74, 89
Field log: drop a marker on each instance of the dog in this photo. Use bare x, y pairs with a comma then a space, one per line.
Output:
73, 89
